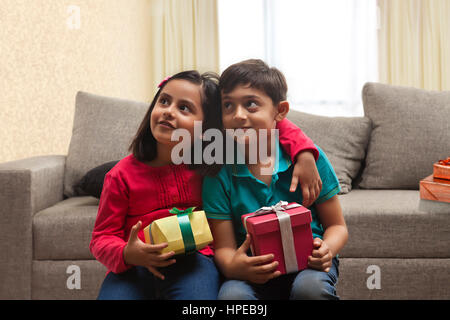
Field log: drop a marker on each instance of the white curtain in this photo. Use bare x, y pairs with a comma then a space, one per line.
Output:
327, 49
415, 43
184, 36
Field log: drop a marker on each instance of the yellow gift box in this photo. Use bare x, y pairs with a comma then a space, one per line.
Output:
185, 232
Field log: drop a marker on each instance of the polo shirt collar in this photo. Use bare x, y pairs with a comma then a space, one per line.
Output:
282, 164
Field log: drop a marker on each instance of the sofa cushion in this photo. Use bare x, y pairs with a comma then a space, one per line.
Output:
410, 132
102, 131
395, 224
92, 182
344, 140
64, 230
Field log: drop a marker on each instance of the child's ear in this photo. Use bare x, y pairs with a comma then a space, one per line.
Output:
283, 109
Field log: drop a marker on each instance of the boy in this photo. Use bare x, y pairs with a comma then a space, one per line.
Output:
254, 98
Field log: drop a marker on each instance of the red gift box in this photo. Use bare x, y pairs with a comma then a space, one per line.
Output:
283, 230
435, 189
441, 169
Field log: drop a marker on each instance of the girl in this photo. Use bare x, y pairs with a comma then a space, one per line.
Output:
145, 185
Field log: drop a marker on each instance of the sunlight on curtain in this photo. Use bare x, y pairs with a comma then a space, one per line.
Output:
415, 43
327, 49
184, 37
241, 31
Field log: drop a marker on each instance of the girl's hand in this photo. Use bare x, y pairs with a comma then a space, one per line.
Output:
256, 269
147, 255
305, 171
321, 256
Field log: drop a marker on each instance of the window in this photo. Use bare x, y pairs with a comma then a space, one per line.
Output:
327, 49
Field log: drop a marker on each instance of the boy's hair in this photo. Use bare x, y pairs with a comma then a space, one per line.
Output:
256, 74
143, 145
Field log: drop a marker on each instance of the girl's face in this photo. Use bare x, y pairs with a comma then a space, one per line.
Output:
178, 106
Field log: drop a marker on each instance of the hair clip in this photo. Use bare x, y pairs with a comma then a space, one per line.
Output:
164, 81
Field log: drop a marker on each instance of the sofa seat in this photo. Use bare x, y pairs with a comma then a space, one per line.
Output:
50, 277
381, 224
395, 224
63, 231
403, 278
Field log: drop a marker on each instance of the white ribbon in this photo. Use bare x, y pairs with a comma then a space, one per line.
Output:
287, 237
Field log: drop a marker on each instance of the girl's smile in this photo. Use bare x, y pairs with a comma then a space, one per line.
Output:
166, 124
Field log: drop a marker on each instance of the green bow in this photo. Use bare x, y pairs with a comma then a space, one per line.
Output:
178, 211
185, 227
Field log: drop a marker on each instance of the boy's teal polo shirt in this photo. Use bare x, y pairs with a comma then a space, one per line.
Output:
234, 191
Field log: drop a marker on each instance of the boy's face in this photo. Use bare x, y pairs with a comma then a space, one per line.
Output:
246, 107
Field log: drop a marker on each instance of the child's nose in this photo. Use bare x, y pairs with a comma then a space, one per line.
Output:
240, 113
169, 111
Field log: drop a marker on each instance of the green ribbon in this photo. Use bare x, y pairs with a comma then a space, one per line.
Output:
185, 227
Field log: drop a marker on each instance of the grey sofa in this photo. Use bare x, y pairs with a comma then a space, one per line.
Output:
398, 245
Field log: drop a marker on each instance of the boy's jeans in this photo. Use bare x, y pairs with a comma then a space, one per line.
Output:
306, 284
191, 277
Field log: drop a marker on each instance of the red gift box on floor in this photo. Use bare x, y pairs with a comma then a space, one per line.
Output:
283, 230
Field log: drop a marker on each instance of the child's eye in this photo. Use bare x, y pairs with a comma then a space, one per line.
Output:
251, 104
184, 108
164, 101
227, 105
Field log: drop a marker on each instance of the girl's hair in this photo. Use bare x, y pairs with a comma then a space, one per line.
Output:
143, 145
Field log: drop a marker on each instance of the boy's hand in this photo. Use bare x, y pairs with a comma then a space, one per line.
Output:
147, 255
321, 256
305, 171
258, 269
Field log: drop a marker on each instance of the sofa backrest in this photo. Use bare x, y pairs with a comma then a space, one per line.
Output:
404, 131
102, 131
343, 139
411, 131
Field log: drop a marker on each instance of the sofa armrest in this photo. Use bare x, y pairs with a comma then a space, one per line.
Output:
27, 186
